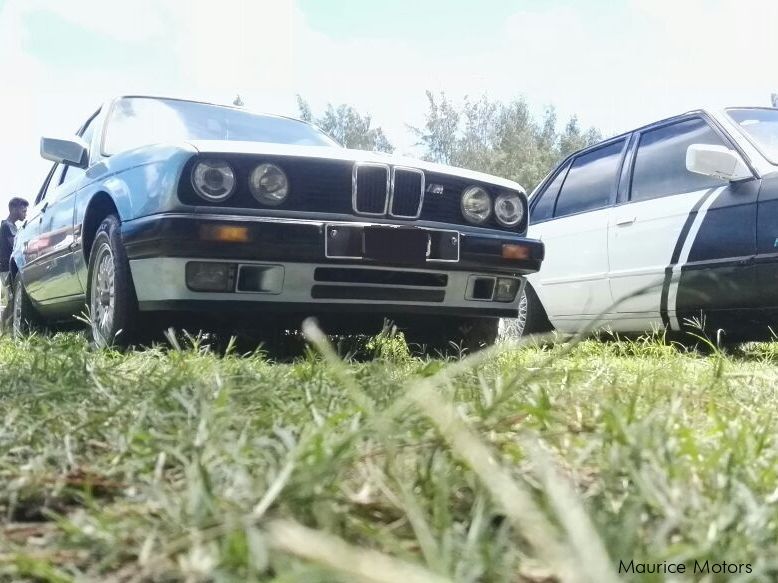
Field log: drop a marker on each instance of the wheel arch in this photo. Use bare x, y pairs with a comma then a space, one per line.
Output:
540, 321
100, 206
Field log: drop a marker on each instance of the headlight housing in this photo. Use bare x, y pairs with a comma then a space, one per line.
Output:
476, 205
508, 209
269, 184
213, 180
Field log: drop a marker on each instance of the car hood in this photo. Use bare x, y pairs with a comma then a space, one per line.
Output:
345, 154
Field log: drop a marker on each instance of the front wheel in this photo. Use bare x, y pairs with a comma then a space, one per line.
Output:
113, 306
531, 318
515, 328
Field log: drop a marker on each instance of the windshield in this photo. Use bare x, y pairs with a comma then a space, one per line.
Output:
761, 125
140, 121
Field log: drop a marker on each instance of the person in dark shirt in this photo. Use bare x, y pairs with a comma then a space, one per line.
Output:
17, 211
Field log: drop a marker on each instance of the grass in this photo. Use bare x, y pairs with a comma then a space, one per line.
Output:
533, 463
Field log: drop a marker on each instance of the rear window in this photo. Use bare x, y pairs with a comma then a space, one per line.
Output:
591, 181
544, 208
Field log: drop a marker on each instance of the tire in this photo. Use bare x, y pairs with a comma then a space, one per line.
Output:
447, 335
23, 319
532, 318
113, 306
476, 333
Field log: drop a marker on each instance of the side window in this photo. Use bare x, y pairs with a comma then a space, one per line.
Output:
591, 181
72, 172
51, 182
544, 208
660, 162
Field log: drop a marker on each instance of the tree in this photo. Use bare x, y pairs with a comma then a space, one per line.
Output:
347, 126
501, 138
476, 148
439, 134
573, 138
304, 109
547, 141
518, 151
492, 136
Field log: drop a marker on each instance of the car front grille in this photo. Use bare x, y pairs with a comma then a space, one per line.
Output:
407, 192
383, 277
337, 292
356, 283
444, 207
346, 188
370, 189
380, 190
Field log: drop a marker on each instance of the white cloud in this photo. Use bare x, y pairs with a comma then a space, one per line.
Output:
140, 21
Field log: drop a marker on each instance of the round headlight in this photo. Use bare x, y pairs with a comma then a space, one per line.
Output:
476, 204
269, 184
213, 180
508, 209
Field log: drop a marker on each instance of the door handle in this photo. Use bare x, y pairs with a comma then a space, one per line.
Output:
625, 221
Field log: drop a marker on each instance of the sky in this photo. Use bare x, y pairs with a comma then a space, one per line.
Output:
615, 64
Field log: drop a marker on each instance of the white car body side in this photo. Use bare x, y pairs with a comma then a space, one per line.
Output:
619, 267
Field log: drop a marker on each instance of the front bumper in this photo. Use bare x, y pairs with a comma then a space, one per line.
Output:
307, 278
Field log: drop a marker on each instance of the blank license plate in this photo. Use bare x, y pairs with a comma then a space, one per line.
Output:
396, 245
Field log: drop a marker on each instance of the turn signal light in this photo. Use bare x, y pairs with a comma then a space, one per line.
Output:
225, 233
510, 251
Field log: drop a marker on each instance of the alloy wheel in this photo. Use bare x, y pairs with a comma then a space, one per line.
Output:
103, 292
513, 328
16, 306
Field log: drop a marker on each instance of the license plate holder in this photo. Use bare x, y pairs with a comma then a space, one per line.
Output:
408, 245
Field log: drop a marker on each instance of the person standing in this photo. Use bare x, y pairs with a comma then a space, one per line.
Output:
17, 211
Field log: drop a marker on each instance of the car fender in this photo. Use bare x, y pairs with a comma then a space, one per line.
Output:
133, 184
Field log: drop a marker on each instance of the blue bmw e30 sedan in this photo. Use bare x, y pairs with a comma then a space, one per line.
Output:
160, 208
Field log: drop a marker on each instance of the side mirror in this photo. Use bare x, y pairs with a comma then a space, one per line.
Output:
71, 151
716, 161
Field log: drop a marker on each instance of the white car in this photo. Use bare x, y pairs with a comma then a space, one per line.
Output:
671, 225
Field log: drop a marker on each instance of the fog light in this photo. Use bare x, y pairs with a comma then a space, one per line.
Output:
224, 233
515, 252
483, 288
209, 276
506, 289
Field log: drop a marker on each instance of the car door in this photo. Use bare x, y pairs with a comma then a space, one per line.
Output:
759, 126
571, 218
679, 243
29, 238
767, 244
58, 278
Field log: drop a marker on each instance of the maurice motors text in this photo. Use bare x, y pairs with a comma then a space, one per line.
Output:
704, 567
